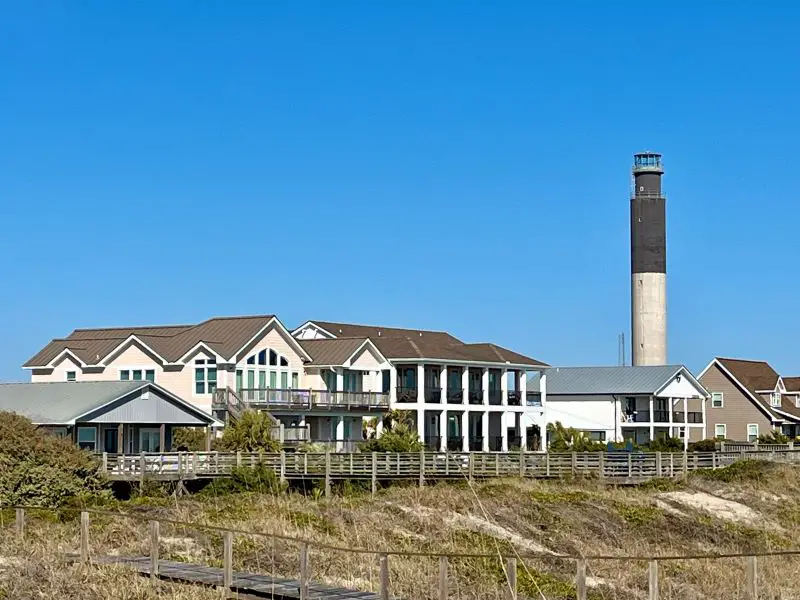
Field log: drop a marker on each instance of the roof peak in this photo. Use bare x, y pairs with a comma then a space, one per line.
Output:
379, 327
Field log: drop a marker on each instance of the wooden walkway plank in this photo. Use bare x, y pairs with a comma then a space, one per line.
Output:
243, 582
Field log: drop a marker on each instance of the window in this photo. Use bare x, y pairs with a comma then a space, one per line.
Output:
239, 380
284, 380
136, 374
70, 375
284, 362
273, 358
124, 375
717, 399
295, 381
720, 431
775, 399
149, 439
87, 438
597, 436
150, 375
752, 432
205, 380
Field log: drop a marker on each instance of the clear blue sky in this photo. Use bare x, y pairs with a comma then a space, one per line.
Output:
452, 165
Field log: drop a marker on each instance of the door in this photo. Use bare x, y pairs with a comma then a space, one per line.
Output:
110, 440
149, 439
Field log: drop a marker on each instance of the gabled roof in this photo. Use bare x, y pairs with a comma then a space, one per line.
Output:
332, 352
223, 335
396, 343
64, 403
792, 384
754, 375
631, 381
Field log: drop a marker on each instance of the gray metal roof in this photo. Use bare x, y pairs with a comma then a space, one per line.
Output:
609, 380
60, 403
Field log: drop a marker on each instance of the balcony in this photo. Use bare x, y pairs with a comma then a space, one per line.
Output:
432, 442
300, 400
694, 417
515, 398
514, 442
678, 417
475, 444
455, 396
406, 394
476, 396
295, 435
533, 398
495, 397
495, 443
433, 395
455, 443
640, 416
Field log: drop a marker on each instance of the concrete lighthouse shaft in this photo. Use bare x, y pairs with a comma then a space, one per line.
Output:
648, 262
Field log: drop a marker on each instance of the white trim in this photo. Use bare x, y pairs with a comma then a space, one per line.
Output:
197, 346
747, 431
136, 368
773, 396
724, 430
708, 366
684, 371
235, 357
791, 417
452, 361
307, 323
66, 351
721, 397
130, 339
349, 361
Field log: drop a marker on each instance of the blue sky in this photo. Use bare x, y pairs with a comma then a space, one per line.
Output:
451, 165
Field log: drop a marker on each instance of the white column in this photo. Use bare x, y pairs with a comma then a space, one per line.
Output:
504, 387
421, 423
443, 431
421, 383
392, 386
379, 426
652, 426
670, 414
465, 430
522, 431
485, 430
504, 418
465, 385
339, 432
522, 386
339, 379
302, 422
443, 382
485, 386
703, 409
685, 424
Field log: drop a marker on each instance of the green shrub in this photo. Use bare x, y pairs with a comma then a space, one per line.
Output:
709, 445
399, 435
251, 432
667, 444
39, 469
569, 439
773, 437
190, 439
256, 479
740, 471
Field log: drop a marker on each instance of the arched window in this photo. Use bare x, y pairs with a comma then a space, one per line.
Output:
267, 369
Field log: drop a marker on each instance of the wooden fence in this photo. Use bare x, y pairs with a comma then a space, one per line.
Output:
419, 466
154, 565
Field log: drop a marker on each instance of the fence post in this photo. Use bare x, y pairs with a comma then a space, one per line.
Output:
238, 459
511, 575
84, 536
471, 465
227, 560
304, 571
327, 473
422, 468
105, 462
652, 577
374, 473
443, 578
384, 577
601, 464
20, 519
752, 578
630, 465
580, 579
714, 460
658, 464
547, 464
574, 463
142, 468
522, 462
685, 463
283, 466
722, 446
672, 464
154, 531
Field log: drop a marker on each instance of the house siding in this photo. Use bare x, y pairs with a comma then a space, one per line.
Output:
738, 410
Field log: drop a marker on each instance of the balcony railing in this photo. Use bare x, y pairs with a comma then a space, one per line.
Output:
433, 394
495, 443
455, 396
694, 417
476, 396
406, 394
533, 398
678, 416
476, 444
295, 435
455, 444
661, 416
296, 399
495, 397
514, 442
641, 416
514, 398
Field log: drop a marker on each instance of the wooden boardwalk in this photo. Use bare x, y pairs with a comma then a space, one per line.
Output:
253, 584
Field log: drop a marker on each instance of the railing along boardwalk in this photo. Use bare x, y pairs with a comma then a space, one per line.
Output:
614, 466
302, 588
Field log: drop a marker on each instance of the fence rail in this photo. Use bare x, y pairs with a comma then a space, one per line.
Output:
619, 466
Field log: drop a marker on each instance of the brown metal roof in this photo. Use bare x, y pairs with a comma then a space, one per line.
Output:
792, 384
759, 375
395, 343
224, 335
332, 352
